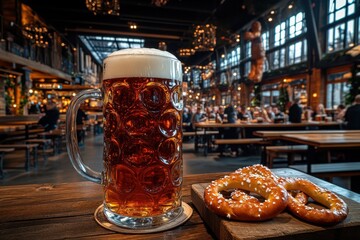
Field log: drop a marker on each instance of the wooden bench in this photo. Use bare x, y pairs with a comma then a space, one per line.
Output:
44, 146
330, 170
274, 151
28, 147
56, 137
240, 141
2, 153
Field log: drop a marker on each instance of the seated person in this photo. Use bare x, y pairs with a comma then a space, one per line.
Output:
279, 117
244, 114
52, 114
80, 118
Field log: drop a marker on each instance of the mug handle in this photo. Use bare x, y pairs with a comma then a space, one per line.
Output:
71, 137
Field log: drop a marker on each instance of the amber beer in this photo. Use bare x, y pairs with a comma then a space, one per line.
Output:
142, 133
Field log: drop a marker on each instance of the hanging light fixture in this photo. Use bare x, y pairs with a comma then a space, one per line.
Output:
186, 52
37, 34
110, 7
159, 3
204, 37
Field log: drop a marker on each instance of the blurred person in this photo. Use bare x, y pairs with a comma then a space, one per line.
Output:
279, 116
268, 114
308, 113
220, 115
340, 113
295, 111
319, 113
81, 116
229, 132
187, 116
198, 116
51, 117
243, 114
352, 115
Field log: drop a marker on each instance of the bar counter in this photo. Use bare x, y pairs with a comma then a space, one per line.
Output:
58, 211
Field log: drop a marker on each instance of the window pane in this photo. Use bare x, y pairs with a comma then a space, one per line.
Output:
340, 3
291, 54
331, 6
329, 96
339, 37
340, 14
330, 38
359, 31
350, 34
282, 57
351, 9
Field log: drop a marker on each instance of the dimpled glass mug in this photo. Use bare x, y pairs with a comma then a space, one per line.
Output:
142, 176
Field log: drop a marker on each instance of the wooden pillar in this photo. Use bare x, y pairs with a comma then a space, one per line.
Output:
316, 88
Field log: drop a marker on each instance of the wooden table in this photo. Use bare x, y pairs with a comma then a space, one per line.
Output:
26, 123
246, 129
271, 136
275, 135
323, 141
54, 211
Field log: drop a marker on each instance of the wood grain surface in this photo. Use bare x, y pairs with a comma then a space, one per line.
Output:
284, 226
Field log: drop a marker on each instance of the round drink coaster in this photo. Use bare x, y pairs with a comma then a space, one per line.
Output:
104, 222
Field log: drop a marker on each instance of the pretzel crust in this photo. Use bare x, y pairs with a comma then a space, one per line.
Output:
246, 208
337, 210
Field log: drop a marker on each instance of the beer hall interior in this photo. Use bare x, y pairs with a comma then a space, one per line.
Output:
246, 63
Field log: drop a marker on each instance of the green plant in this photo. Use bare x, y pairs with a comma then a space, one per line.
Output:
256, 99
354, 85
283, 98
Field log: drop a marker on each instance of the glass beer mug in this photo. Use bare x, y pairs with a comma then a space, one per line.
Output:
142, 175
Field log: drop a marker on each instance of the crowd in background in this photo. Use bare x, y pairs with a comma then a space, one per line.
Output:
296, 113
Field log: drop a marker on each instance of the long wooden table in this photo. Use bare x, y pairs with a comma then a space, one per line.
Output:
25, 123
53, 211
246, 129
275, 135
330, 141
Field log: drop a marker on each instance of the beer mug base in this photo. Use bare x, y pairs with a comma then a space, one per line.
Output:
142, 222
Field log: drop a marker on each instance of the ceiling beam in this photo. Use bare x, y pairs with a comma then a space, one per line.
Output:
121, 33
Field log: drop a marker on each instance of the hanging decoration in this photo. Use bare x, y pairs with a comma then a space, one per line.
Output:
109, 7
204, 37
159, 3
186, 52
37, 34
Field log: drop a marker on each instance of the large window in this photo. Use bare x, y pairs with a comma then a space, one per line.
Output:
297, 25
341, 25
336, 89
297, 52
286, 44
280, 34
270, 94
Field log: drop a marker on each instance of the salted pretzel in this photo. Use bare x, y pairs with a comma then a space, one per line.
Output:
267, 173
246, 207
336, 211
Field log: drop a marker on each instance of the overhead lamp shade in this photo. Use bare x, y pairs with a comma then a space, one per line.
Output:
204, 37
109, 7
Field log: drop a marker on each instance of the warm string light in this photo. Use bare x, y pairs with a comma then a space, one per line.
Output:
132, 25
185, 52
205, 37
37, 34
110, 7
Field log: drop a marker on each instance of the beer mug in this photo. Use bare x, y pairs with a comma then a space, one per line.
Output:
142, 105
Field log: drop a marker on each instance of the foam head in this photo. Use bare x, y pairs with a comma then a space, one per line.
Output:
142, 62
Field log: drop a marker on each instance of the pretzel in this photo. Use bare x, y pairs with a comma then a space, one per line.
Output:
266, 172
336, 211
246, 208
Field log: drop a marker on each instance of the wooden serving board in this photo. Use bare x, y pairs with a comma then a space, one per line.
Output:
283, 226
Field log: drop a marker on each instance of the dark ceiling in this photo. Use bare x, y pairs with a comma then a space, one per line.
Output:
172, 23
